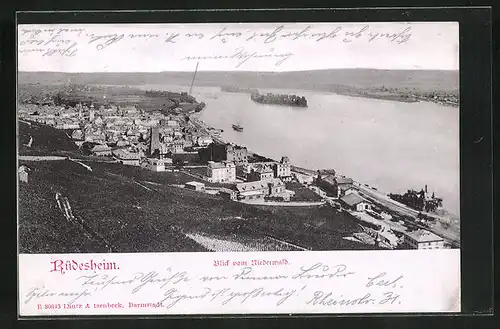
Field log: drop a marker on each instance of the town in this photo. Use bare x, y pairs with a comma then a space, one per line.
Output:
178, 141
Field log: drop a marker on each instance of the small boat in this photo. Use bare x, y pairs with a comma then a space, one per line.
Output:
238, 128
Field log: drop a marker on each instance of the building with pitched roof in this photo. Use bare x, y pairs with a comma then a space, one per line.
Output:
355, 202
101, 150
195, 186
273, 187
155, 164
283, 169
251, 190
260, 172
221, 172
225, 152
345, 190
126, 157
422, 239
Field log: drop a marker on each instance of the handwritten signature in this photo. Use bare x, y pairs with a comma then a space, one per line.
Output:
242, 56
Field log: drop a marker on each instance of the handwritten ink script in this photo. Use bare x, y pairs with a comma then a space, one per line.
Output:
173, 288
269, 44
199, 283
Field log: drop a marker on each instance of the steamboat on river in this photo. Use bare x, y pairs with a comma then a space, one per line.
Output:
237, 127
279, 99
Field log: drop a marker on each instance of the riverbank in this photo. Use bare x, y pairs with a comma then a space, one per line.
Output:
446, 227
416, 82
405, 94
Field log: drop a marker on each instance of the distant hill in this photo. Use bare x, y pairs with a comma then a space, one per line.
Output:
324, 80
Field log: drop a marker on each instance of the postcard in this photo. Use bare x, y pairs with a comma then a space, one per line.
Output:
238, 168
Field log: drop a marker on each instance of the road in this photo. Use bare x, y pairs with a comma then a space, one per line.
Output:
285, 203
40, 158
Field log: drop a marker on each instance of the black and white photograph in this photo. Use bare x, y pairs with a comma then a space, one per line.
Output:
238, 137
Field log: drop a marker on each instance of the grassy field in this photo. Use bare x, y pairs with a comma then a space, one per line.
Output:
46, 140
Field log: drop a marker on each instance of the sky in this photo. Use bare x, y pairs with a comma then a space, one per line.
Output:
238, 47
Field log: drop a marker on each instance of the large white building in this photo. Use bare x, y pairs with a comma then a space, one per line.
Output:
422, 239
221, 172
282, 169
156, 164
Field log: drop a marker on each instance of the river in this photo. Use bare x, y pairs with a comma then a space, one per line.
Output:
393, 146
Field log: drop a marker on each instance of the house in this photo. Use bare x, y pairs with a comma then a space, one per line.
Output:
101, 150
355, 202
195, 186
282, 169
343, 184
248, 167
154, 164
68, 126
422, 239
204, 141
328, 184
260, 172
225, 152
345, 190
78, 135
221, 172
23, 173
236, 154
227, 194
333, 186
176, 147
251, 190
126, 157
276, 189
273, 187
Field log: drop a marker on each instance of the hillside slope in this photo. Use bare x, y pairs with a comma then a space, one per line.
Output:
46, 140
115, 212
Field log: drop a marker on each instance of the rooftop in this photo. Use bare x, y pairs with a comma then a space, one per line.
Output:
250, 186
123, 154
330, 179
344, 180
263, 168
218, 165
424, 236
261, 184
195, 184
352, 199
345, 187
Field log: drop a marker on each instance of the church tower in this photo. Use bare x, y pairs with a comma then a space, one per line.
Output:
154, 141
